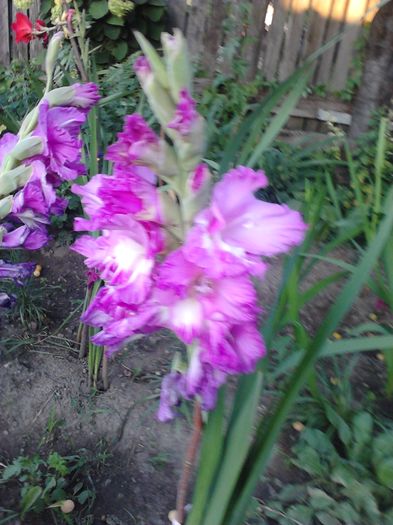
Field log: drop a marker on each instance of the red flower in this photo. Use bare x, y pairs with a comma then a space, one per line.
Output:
23, 28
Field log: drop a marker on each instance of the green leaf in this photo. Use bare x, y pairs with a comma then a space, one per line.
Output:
292, 493
327, 519
342, 475
301, 513
319, 499
115, 21
30, 497
120, 50
385, 473
112, 32
235, 451
309, 460
339, 424
211, 449
345, 512
363, 424
98, 9
12, 470
382, 447
153, 13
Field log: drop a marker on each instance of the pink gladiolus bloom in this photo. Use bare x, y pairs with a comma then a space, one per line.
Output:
194, 305
34, 204
120, 321
122, 257
136, 141
25, 237
142, 67
229, 237
186, 114
199, 178
59, 128
126, 194
85, 95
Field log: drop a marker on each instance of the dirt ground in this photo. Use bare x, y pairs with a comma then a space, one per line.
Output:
42, 381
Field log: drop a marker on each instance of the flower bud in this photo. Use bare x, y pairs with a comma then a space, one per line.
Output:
51, 57
178, 63
191, 148
197, 193
5, 208
13, 179
154, 59
78, 95
27, 147
158, 97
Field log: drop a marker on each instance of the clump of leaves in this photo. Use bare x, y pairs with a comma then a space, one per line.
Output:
113, 35
56, 484
351, 478
21, 86
345, 455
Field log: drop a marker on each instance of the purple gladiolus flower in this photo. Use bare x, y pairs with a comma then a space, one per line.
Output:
24, 237
18, 272
7, 142
186, 114
59, 128
137, 141
122, 256
237, 229
37, 201
85, 95
126, 194
142, 67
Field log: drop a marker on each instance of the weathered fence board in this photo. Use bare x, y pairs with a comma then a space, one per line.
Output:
297, 29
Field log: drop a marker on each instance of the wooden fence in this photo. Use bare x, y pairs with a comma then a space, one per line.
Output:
277, 34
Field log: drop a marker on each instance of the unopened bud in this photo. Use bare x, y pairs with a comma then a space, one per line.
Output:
27, 147
13, 179
178, 63
51, 57
77, 95
154, 59
5, 208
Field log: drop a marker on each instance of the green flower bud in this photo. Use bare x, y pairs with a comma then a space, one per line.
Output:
190, 149
160, 101
26, 148
5, 208
178, 62
51, 57
22, 4
154, 59
14, 179
120, 7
